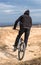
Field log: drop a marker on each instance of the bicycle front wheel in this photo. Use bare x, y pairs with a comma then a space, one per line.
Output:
21, 51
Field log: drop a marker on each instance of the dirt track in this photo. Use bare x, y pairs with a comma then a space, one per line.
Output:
33, 50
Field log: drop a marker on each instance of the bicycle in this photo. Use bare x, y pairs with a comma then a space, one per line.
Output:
21, 48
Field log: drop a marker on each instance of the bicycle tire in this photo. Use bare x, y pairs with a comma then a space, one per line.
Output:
19, 51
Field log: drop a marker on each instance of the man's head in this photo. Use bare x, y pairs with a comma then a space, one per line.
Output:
27, 12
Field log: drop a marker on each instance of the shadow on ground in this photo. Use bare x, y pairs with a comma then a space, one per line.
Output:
36, 61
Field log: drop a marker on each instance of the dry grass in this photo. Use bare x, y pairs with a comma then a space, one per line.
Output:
33, 51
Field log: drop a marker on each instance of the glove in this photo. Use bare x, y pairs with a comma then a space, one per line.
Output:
14, 28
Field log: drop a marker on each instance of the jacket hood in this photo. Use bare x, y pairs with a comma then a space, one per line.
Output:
26, 12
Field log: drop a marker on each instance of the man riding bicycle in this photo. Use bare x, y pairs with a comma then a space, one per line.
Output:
25, 26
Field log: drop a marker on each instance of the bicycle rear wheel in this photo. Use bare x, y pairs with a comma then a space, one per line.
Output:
21, 51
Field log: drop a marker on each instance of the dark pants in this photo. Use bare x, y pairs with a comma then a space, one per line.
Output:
26, 31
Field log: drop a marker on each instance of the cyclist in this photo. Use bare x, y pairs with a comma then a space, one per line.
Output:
25, 26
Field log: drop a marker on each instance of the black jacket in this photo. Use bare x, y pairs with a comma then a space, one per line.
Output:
25, 21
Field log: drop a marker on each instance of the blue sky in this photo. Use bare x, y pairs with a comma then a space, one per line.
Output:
10, 10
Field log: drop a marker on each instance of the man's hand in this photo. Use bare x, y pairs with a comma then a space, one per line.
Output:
14, 28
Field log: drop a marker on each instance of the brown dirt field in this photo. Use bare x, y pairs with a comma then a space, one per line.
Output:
33, 50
